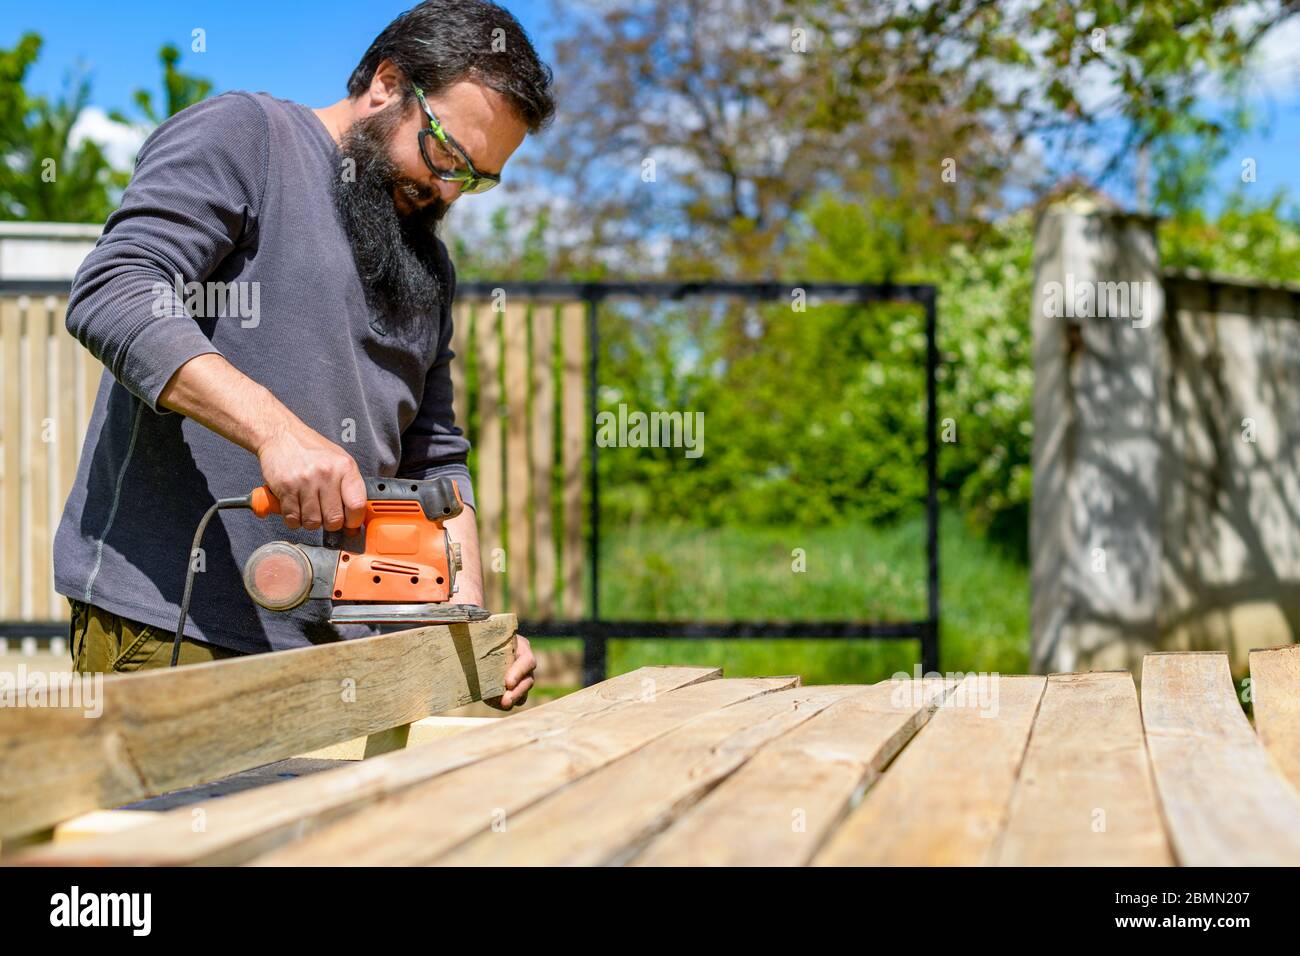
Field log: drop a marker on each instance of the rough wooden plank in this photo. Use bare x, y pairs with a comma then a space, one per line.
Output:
460, 339
98, 823
519, 562
1275, 696
573, 331
434, 817
386, 741
1085, 795
88, 380
779, 808
542, 454
1224, 803
240, 827
68, 440
166, 729
24, 842
608, 816
11, 435
420, 732
489, 486
943, 801
37, 566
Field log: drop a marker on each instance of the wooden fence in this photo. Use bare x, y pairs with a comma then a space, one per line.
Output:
526, 359
47, 390
532, 429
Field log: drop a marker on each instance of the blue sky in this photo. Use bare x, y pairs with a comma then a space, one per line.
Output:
305, 51
296, 50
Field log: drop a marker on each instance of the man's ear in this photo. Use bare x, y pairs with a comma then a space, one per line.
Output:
385, 86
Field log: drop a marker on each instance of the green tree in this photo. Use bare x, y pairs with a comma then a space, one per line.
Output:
44, 175
695, 133
180, 90
494, 250
1257, 239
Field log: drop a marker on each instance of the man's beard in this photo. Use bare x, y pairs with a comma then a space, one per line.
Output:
396, 254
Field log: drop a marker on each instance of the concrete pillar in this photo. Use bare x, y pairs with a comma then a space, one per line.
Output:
1095, 519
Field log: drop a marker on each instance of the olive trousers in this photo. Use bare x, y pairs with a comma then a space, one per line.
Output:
105, 643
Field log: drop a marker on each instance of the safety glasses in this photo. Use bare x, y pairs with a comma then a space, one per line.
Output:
445, 158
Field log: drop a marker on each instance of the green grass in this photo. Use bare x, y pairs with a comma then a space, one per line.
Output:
851, 573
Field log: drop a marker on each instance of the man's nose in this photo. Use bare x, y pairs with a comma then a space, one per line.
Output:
449, 192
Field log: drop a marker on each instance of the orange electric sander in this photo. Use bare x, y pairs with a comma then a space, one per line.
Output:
399, 567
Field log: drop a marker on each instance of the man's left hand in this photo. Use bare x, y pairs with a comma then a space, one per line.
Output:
519, 676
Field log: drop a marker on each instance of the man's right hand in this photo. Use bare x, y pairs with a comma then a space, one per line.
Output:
317, 482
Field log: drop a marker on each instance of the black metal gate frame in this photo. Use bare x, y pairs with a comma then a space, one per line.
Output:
596, 631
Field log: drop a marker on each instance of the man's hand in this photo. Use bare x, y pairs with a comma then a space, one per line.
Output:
519, 676
317, 482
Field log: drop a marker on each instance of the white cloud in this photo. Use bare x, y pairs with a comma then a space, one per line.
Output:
1276, 68
119, 141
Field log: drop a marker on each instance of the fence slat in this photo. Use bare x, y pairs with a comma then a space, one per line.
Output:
572, 336
460, 338
36, 557
66, 439
489, 489
543, 456
11, 434
88, 377
519, 564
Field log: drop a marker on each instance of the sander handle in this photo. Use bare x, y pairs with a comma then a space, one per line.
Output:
439, 497
262, 502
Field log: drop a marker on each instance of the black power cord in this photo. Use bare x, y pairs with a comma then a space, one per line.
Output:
246, 501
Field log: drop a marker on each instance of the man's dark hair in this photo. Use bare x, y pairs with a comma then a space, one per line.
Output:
441, 42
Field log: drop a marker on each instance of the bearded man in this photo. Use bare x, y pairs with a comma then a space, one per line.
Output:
325, 220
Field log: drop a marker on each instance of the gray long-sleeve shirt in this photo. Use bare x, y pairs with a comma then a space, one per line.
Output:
234, 190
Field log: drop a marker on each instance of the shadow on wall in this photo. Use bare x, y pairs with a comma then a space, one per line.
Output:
1166, 508
1231, 468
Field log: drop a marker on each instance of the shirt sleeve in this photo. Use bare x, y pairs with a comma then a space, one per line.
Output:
433, 444
193, 199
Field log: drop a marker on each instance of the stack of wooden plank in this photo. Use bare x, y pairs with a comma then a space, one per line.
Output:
678, 765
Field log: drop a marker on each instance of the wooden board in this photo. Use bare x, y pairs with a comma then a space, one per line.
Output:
68, 430
541, 452
779, 808
89, 373
944, 800
1275, 696
489, 485
608, 816
11, 514
460, 339
1224, 803
489, 488
38, 423
98, 823
573, 330
166, 729
434, 817
239, 827
420, 732
1085, 795
519, 561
